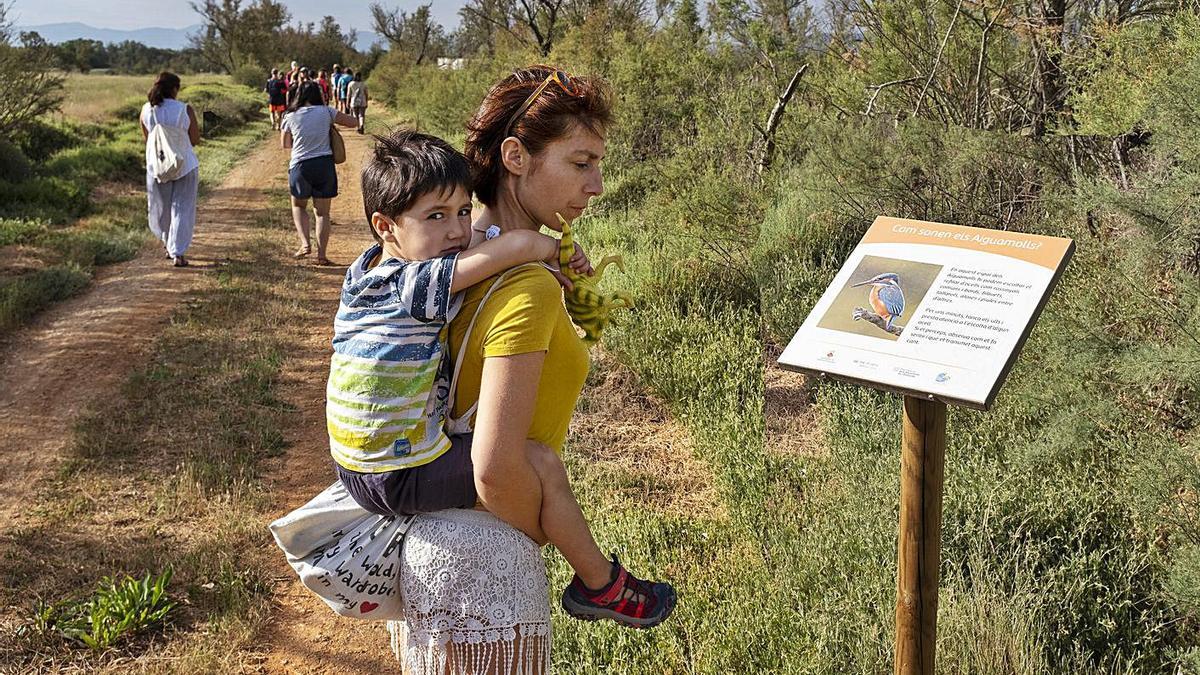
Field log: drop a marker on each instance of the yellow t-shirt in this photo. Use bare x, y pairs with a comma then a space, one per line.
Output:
524, 314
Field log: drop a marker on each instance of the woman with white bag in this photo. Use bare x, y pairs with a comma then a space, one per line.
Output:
172, 169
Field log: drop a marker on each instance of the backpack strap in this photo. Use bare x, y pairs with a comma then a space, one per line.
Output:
462, 425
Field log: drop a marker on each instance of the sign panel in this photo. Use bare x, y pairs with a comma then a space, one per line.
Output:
930, 309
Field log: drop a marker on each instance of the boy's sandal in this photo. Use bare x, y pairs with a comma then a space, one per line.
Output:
324, 262
626, 600
301, 252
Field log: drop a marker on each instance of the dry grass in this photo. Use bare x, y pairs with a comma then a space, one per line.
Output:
93, 97
165, 475
621, 431
793, 427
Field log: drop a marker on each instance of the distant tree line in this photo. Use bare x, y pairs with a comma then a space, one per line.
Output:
130, 57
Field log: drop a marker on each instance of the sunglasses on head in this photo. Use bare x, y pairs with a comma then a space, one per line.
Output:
562, 79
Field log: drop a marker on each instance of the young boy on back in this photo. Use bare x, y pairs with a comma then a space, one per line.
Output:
388, 392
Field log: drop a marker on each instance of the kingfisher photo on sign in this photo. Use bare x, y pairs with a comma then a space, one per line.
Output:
930, 309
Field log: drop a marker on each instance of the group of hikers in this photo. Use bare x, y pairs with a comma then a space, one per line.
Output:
342, 89
474, 458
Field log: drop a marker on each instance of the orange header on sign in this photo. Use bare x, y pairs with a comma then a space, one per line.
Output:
1037, 249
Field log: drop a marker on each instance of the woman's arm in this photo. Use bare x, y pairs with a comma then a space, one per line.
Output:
193, 126
285, 139
504, 478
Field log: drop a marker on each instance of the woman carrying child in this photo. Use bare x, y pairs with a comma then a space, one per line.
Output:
474, 586
311, 171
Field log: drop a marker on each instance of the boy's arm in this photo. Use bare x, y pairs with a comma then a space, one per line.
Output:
496, 255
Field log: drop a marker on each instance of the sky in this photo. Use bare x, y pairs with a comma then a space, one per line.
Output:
131, 14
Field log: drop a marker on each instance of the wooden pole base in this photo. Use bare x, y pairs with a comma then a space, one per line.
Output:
919, 549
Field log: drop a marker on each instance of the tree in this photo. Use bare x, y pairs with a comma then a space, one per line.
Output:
232, 36
416, 35
81, 54
317, 46
28, 86
535, 23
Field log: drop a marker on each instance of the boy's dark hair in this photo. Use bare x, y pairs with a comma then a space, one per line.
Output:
404, 166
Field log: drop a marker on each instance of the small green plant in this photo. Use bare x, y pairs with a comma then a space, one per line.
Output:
116, 610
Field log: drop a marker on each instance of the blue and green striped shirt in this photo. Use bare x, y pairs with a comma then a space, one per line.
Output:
387, 397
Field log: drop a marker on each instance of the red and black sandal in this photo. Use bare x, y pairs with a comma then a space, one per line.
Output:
626, 599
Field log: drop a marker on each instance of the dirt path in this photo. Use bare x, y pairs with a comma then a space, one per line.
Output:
305, 636
83, 348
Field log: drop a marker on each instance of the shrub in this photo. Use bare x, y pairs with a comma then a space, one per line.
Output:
250, 76
14, 166
50, 198
39, 140
18, 231
234, 106
23, 296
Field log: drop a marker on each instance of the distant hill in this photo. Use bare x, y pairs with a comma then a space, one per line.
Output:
163, 38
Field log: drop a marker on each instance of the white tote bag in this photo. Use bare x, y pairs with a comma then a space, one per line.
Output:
345, 554
168, 149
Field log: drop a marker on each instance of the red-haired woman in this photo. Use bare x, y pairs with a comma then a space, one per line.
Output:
475, 586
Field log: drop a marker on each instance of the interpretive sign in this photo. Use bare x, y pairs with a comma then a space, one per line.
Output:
929, 309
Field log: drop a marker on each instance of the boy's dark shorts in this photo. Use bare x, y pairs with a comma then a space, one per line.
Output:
447, 482
315, 178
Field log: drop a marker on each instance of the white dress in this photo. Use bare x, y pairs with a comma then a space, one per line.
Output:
476, 598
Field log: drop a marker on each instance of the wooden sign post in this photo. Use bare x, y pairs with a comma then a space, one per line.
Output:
937, 313
919, 551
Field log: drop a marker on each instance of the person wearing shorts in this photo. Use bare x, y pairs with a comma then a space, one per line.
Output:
276, 98
311, 171
356, 94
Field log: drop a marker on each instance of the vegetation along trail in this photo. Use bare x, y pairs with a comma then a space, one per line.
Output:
84, 347
163, 417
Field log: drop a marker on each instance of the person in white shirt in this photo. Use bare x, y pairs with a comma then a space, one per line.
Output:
172, 205
356, 94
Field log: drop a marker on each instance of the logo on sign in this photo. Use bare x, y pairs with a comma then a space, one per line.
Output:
942, 377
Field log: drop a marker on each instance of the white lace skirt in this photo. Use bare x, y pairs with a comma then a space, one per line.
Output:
476, 599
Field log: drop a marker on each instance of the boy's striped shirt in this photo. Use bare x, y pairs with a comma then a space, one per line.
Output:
388, 379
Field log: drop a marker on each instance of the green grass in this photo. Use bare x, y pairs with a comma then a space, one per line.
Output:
94, 97
116, 610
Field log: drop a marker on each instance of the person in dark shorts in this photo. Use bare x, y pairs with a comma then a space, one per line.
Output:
311, 172
276, 97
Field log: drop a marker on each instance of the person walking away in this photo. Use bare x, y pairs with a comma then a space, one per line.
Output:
335, 80
356, 93
326, 89
293, 91
171, 205
311, 172
347, 78
276, 98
